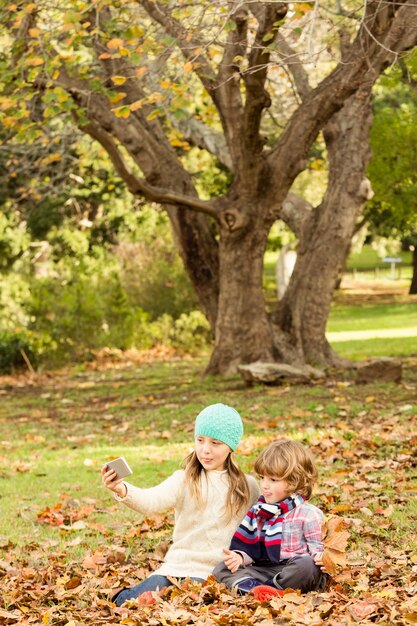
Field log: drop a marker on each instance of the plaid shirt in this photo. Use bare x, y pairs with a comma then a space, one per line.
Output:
301, 533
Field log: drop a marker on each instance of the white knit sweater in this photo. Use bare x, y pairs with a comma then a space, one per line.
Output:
199, 535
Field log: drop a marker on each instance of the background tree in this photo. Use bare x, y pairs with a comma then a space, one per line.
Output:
150, 80
393, 167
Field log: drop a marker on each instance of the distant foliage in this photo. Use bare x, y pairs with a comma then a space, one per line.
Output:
75, 307
190, 333
83, 267
14, 347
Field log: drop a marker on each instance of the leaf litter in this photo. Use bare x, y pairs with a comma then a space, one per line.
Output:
367, 462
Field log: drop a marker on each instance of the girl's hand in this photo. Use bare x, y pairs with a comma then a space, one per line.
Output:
109, 478
318, 560
233, 560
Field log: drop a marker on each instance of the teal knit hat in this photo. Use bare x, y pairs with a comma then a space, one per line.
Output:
221, 422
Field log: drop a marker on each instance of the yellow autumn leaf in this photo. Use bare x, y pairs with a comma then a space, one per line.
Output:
113, 44
6, 103
140, 71
188, 67
105, 55
119, 80
34, 32
51, 158
117, 97
137, 105
34, 61
8, 121
123, 111
62, 96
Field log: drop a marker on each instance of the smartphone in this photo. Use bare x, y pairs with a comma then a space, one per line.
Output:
120, 466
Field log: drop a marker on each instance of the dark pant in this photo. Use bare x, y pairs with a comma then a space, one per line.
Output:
299, 572
153, 583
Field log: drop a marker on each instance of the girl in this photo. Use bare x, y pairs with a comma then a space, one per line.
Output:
209, 498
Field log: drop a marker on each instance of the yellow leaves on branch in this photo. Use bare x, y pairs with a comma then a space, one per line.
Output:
34, 61
140, 71
113, 44
335, 538
34, 32
119, 80
55, 157
118, 97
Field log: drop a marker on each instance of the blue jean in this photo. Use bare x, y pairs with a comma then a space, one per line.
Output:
149, 584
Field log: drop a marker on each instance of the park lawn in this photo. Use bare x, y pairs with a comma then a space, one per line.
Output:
67, 541
367, 316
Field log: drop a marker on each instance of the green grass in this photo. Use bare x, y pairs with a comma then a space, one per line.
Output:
54, 447
376, 347
372, 316
367, 260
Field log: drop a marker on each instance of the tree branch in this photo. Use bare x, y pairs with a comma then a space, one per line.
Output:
223, 88
294, 65
202, 136
190, 47
138, 186
227, 96
295, 212
386, 31
257, 98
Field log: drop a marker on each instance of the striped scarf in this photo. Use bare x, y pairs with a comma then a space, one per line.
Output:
260, 533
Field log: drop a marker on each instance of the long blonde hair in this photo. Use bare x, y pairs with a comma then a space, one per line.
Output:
238, 493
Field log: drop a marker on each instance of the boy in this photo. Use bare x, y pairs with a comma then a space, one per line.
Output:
279, 542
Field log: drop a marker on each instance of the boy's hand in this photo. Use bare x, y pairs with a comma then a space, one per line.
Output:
318, 560
233, 560
109, 478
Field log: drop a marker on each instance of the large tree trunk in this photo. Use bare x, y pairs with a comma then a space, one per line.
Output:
243, 333
302, 314
413, 286
199, 251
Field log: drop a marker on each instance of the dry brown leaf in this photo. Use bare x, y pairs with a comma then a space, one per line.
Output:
335, 538
362, 609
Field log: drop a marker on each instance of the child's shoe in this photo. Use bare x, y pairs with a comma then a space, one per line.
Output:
146, 598
246, 585
265, 592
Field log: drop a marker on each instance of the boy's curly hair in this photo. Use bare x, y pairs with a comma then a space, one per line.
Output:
290, 461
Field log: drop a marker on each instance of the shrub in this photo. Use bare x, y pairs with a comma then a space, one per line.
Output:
154, 278
85, 314
190, 333
14, 347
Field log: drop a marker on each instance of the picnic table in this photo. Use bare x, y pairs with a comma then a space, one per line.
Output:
393, 261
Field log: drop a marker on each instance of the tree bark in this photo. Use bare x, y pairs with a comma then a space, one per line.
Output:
243, 332
303, 312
